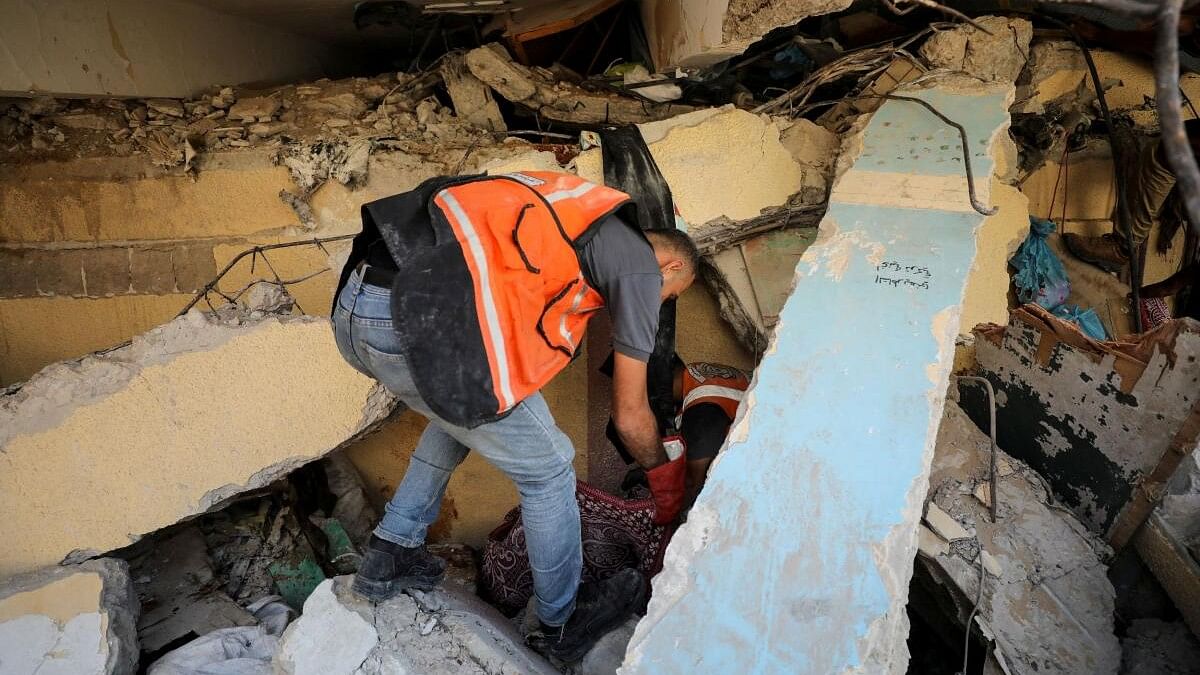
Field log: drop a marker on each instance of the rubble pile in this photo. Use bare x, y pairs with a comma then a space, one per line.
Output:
448, 630
173, 131
1047, 603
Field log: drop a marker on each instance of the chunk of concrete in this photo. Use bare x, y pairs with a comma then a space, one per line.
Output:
446, 631
472, 99
255, 108
817, 497
96, 453
76, 620
995, 57
1047, 600
1180, 507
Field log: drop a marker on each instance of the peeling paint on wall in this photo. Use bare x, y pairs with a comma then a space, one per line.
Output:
1092, 422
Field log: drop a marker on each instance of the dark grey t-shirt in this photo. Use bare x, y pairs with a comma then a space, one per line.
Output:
622, 265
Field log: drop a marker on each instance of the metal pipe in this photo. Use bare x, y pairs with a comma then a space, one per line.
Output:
991, 394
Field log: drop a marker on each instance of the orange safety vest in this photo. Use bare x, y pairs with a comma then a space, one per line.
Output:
490, 298
713, 383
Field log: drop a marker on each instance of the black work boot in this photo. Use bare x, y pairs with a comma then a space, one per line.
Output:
599, 608
387, 569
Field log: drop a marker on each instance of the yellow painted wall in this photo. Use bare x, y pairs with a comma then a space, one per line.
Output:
61, 599
95, 475
35, 332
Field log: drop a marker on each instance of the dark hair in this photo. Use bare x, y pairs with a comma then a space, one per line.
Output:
678, 242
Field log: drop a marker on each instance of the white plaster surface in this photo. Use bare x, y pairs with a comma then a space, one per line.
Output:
76, 620
328, 639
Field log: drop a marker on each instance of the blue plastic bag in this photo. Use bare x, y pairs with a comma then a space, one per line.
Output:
1086, 319
1040, 277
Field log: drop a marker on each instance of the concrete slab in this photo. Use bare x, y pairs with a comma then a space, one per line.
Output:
817, 498
96, 453
77, 620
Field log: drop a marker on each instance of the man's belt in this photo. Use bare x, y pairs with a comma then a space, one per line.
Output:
376, 276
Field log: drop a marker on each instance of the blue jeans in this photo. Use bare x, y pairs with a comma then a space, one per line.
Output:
526, 445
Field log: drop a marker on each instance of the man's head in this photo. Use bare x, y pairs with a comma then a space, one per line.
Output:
678, 260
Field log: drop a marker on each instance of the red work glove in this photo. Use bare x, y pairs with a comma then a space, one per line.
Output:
667, 486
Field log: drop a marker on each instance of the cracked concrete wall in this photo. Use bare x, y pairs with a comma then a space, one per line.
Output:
119, 245
702, 32
141, 48
1092, 422
96, 453
79, 619
816, 499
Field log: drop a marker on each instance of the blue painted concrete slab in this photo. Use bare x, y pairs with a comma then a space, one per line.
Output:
797, 557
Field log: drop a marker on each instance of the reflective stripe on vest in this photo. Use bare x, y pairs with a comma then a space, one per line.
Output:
518, 235
713, 391
465, 230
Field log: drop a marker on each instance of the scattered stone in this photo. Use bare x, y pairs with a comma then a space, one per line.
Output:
174, 581
336, 122
446, 631
346, 104
265, 297
223, 99
268, 129
997, 57
251, 109
166, 106
89, 121
76, 620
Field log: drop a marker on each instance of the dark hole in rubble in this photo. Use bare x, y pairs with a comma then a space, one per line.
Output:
257, 559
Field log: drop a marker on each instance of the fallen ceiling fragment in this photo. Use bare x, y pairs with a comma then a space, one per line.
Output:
817, 497
1047, 602
76, 620
96, 453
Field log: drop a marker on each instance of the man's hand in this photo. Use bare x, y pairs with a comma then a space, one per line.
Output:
631, 414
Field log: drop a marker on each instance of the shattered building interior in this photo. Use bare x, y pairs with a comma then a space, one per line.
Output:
955, 245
